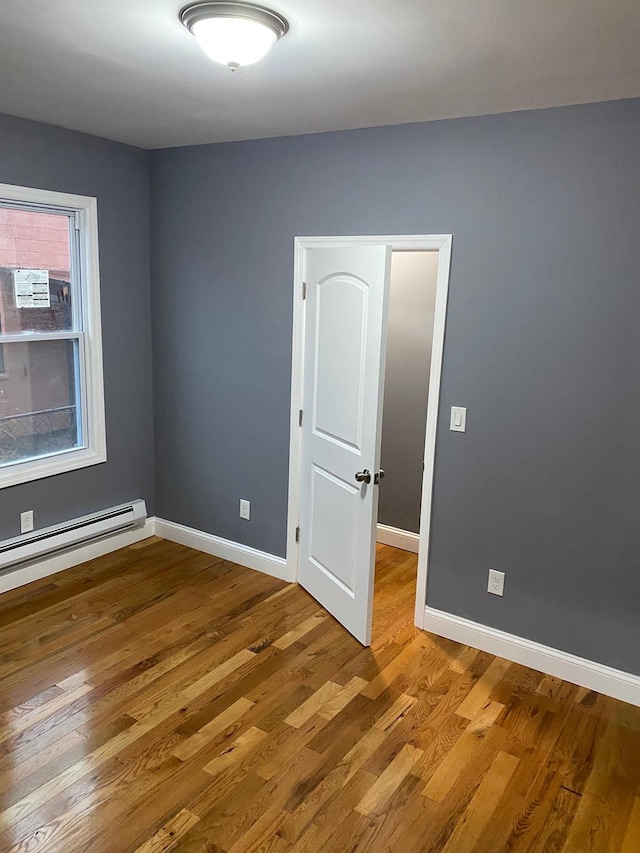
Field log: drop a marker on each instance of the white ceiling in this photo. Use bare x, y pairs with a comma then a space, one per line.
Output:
128, 69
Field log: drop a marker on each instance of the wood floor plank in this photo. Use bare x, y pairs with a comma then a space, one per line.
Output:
159, 699
229, 808
150, 717
234, 753
478, 697
389, 781
44, 711
313, 704
335, 796
631, 841
262, 836
456, 760
296, 634
396, 712
481, 808
333, 706
560, 815
190, 747
168, 836
12, 777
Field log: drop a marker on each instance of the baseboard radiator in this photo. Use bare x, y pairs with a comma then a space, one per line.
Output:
79, 531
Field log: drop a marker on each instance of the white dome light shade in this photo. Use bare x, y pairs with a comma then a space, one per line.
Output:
234, 41
234, 33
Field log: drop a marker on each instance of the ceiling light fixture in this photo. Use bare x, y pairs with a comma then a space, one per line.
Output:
234, 34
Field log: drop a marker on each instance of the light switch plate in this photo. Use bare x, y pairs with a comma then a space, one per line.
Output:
458, 419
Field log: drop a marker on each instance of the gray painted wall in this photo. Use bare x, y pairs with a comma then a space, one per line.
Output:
412, 301
541, 346
38, 155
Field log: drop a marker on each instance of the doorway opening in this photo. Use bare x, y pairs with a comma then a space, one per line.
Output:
411, 313
343, 294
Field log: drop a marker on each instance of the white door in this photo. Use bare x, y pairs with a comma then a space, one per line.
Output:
345, 341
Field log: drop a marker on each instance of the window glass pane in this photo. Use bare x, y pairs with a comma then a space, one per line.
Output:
38, 407
35, 271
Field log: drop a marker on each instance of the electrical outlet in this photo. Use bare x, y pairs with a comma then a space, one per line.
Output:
245, 509
496, 582
26, 521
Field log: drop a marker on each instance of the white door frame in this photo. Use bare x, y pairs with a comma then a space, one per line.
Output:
440, 243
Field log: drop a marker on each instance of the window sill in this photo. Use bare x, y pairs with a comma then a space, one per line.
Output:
49, 466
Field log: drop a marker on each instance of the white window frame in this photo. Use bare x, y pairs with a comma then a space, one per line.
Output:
90, 381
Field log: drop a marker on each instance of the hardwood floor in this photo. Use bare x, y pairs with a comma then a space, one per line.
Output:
159, 699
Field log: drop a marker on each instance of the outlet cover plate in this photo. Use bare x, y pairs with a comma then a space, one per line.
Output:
496, 582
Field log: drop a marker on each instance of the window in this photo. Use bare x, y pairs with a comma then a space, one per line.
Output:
51, 386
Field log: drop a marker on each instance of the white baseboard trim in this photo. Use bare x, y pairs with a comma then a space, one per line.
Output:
29, 572
243, 555
398, 538
580, 671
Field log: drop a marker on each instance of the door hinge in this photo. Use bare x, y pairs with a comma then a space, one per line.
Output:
300, 418
297, 534
304, 289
